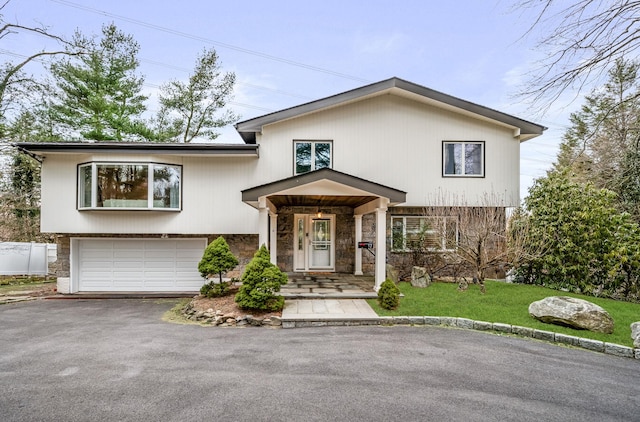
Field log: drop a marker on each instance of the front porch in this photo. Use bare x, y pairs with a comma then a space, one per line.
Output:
314, 223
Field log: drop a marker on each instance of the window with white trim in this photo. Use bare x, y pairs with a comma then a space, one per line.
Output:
129, 186
410, 233
462, 159
311, 155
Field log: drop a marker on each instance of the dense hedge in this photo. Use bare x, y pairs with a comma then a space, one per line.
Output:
578, 240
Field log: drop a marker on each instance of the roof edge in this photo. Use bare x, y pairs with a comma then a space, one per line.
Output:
252, 194
249, 128
138, 148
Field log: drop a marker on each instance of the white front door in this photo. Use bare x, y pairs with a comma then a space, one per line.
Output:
314, 245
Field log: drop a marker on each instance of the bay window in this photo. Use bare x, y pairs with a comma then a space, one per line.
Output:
129, 186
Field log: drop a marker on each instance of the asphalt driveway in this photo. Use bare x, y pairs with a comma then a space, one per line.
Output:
104, 360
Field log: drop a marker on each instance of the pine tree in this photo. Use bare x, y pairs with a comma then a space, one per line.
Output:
602, 144
99, 93
194, 109
217, 259
260, 283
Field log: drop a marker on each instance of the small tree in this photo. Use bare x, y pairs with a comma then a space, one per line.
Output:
464, 240
260, 283
481, 240
217, 259
20, 201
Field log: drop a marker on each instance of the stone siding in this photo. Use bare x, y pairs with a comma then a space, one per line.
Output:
404, 261
369, 235
62, 268
344, 237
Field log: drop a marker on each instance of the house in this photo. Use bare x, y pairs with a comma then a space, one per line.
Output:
316, 183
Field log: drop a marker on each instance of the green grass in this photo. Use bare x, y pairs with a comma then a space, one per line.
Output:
20, 280
175, 315
14, 284
506, 303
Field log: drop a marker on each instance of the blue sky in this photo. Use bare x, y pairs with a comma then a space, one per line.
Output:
289, 52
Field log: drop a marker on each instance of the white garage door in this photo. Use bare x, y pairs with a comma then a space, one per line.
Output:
139, 265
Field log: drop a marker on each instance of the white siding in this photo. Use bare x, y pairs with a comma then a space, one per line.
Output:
398, 142
387, 139
211, 198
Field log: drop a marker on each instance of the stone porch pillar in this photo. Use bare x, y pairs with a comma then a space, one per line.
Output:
358, 222
381, 246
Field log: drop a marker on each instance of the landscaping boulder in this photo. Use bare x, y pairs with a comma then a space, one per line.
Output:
572, 312
635, 334
392, 273
419, 277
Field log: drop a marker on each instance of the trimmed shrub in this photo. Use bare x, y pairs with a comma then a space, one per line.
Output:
217, 259
212, 289
260, 283
389, 295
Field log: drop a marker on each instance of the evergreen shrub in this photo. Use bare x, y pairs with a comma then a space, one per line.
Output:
260, 283
217, 259
389, 295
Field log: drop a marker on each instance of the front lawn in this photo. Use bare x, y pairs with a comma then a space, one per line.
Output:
17, 284
506, 303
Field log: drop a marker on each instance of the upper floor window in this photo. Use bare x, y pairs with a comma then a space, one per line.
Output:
311, 155
463, 159
129, 186
409, 233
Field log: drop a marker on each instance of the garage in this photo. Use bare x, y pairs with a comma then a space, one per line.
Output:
137, 265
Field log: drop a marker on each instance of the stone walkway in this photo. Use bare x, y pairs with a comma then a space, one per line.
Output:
328, 286
327, 299
327, 309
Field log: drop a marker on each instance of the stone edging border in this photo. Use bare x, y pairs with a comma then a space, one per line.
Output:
469, 324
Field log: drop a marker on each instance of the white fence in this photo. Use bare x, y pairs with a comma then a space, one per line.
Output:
26, 258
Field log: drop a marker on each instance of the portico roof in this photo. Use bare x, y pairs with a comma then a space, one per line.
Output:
324, 187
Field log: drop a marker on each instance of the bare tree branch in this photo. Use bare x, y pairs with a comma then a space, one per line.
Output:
582, 41
15, 85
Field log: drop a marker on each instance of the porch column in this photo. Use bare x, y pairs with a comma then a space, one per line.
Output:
358, 220
381, 246
263, 227
273, 238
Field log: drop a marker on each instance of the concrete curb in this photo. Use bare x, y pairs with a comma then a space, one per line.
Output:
468, 324
126, 295
15, 299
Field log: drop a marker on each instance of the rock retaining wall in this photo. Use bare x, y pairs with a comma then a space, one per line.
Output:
220, 319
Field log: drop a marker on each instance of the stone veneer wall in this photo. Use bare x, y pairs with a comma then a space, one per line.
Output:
369, 235
243, 246
345, 236
402, 260
62, 268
